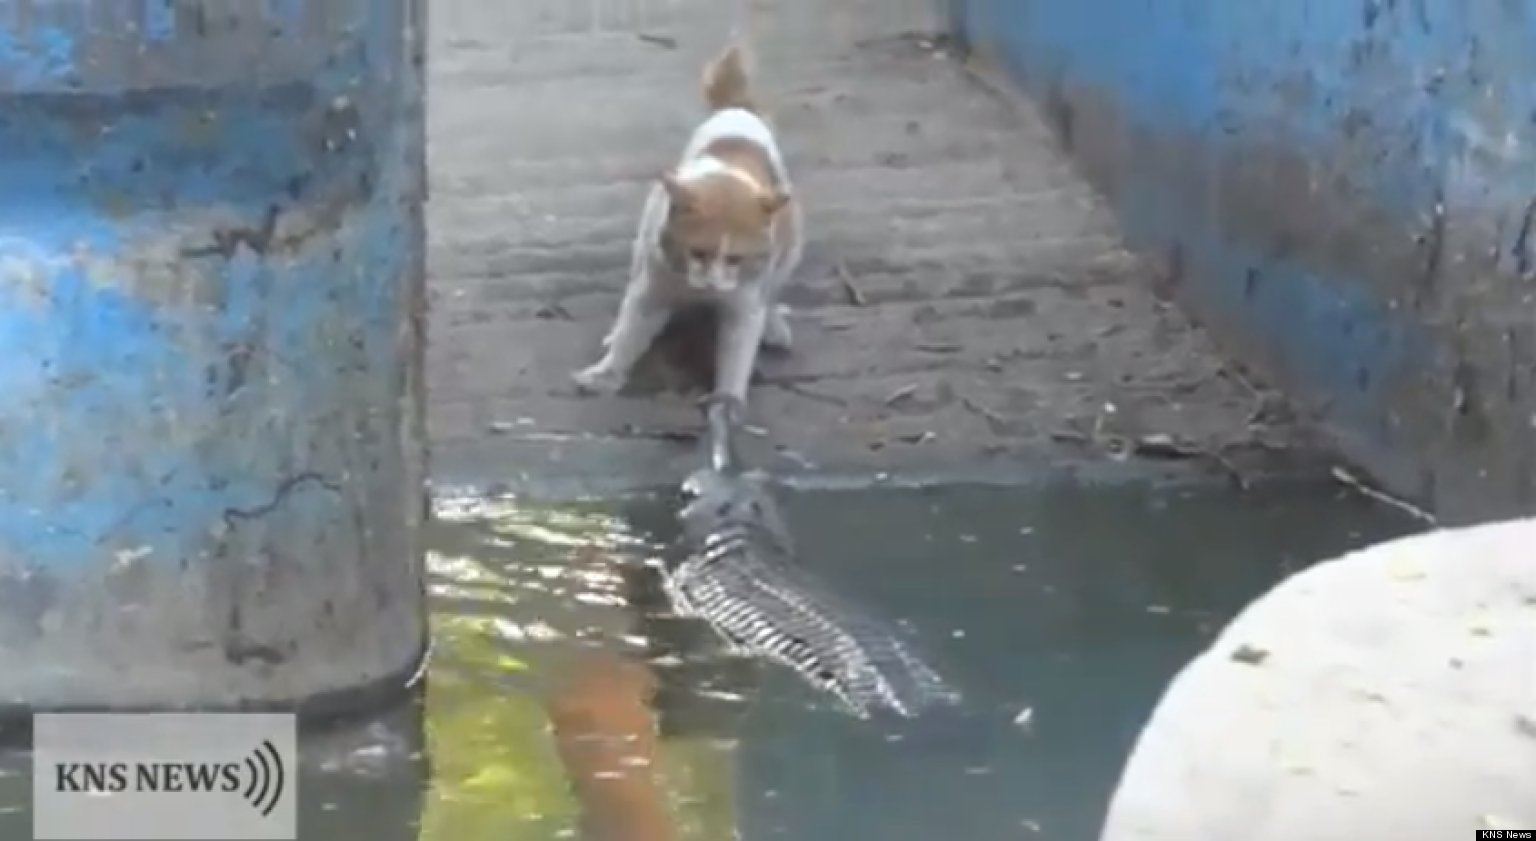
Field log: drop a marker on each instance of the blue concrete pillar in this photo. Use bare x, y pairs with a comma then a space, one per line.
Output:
211, 442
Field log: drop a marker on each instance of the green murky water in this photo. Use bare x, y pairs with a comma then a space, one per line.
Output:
1059, 613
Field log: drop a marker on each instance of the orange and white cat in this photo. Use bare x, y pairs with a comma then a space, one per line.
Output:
721, 227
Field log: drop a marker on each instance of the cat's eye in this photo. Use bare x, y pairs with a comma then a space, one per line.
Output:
733, 260
699, 255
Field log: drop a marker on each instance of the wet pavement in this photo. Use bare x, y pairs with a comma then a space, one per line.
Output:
1059, 612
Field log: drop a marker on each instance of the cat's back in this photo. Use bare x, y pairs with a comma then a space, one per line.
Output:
735, 123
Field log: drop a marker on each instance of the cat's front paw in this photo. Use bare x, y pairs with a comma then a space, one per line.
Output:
598, 379
777, 334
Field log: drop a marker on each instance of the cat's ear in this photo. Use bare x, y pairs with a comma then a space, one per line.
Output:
774, 201
676, 190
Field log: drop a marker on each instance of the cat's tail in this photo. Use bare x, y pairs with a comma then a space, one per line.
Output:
726, 82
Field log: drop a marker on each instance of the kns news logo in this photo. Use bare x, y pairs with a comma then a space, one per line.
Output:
259, 779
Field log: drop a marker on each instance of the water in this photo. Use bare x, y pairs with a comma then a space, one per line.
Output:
1060, 614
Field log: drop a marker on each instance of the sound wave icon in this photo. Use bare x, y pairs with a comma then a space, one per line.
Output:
264, 773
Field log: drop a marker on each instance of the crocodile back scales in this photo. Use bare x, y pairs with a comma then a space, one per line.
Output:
740, 574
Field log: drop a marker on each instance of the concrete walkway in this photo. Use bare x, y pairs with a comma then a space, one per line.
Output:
964, 300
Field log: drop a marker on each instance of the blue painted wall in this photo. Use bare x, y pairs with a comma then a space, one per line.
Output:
1346, 192
211, 475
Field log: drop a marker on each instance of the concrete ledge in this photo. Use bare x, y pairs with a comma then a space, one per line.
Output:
1389, 693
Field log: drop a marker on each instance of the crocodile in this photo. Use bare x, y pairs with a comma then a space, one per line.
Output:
740, 573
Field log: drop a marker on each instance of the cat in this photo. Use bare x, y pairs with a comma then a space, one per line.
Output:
722, 227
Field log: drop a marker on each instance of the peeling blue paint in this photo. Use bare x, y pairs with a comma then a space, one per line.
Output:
159, 20
211, 446
1344, 183
39, 55
1300, 66
127, 421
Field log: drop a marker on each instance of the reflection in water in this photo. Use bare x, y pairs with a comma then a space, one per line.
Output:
1060, 614
365, 781
552, 660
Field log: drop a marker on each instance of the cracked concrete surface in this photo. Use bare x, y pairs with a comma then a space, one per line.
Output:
964, 302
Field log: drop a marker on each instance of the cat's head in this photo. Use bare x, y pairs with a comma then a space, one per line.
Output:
720, 226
